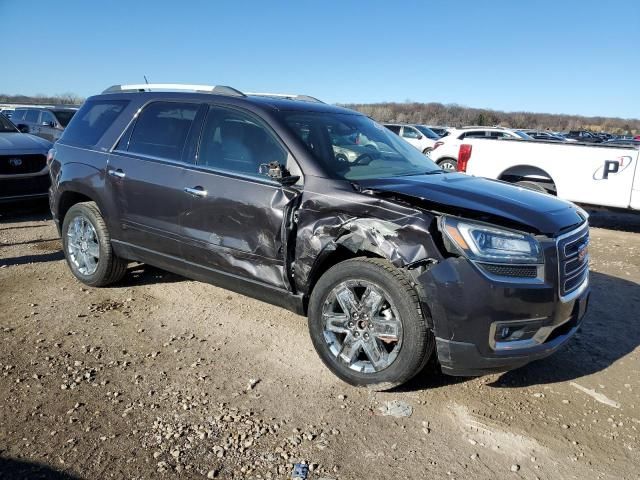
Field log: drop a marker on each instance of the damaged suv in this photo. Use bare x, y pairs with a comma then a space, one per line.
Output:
393, 260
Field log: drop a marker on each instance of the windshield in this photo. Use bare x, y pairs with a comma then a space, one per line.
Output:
427, 132
64, 116
354, 147
6, 125
523, 135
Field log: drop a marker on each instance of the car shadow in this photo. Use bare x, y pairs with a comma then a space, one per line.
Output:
142, 274
30, 242
23, 470
609, 332
37, 258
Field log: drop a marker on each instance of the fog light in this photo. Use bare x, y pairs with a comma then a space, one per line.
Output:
505, 332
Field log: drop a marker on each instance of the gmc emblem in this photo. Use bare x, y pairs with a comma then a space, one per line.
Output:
15, 162
582, 253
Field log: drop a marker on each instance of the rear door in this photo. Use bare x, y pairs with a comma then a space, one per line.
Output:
146, 176
31, 119
236, 219
48, 126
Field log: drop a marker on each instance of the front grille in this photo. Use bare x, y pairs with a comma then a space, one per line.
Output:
10, 187
518, 271
573, 259
21, 164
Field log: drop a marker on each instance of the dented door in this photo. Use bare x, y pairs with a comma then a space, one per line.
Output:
237, 226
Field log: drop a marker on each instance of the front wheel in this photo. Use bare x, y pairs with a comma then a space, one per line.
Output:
367, 325
87, 246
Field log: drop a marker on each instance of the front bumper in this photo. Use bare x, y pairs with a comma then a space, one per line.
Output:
466, 306
24, 187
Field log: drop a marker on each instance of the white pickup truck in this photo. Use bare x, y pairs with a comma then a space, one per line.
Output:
596, 175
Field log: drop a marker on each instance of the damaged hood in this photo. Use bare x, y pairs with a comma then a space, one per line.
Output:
485, 199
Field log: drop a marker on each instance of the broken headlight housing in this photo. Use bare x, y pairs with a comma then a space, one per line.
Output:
489, 244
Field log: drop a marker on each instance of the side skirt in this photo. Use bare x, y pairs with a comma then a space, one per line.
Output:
228, 281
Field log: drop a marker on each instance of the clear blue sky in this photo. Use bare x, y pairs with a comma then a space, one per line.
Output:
563, 56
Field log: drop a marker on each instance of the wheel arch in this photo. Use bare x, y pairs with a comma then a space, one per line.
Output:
525, 172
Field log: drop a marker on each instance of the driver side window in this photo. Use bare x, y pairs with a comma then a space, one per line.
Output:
236, 142
408, 132
48, 118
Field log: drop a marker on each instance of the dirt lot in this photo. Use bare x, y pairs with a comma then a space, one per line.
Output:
162, 377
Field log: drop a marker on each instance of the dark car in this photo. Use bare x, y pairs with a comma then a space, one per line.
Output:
392, 259
23, 164
48, 123
583, 136
543, 135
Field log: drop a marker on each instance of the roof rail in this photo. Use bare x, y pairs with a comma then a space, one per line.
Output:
147, 87
485, 126
306, 98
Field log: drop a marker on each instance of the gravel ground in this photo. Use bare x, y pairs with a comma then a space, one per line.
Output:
162, 377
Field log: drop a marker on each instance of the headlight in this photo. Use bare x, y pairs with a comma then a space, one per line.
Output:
491, 244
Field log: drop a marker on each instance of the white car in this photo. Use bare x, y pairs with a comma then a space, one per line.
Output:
445, 150
419, 136
591, 174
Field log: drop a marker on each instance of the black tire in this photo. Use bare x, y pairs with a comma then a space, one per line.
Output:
110, 267
535, 186
427, 150
448, 164
418, 342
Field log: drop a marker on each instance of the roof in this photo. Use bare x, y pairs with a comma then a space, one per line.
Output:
274, 101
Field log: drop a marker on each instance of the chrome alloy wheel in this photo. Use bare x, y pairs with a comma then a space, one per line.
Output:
82, 245
448, 166
361, 326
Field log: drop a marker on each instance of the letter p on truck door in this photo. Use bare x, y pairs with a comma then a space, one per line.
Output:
612, 179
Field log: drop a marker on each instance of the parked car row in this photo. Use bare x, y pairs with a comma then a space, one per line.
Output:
48, 123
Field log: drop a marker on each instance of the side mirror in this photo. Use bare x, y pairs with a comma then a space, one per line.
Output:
23, 128
419, 137
276, 172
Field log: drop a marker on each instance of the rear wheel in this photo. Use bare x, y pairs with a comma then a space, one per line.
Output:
87, 246
448, 164
367, 325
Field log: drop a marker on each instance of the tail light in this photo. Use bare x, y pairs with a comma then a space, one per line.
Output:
464, 154
437, 144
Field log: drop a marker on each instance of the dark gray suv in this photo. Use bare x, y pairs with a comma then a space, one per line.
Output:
45, 122
394, 260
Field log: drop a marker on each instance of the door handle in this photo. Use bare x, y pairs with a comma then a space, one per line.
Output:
196, 191
117, 173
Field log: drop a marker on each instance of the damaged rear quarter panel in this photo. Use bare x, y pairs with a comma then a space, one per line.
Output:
332, 214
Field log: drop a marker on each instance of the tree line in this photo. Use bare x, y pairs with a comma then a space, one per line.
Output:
430, 114
59, 99
457, 115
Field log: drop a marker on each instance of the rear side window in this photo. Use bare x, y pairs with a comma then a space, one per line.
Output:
32, 116
91, 121
394, 128
18, 115
162, 129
